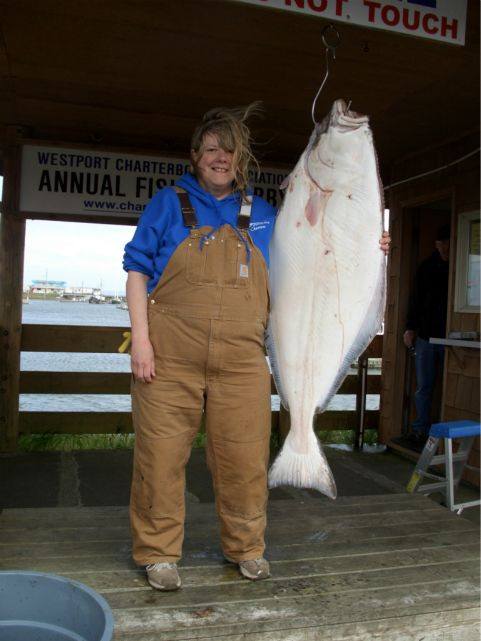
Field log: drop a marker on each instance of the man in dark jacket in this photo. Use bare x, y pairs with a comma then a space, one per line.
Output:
427, 319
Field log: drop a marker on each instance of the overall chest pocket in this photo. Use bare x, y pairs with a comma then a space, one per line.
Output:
219, 259
201, 259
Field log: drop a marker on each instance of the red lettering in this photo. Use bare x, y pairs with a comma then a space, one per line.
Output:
413, 25
299, 3
372, 6
453, 27
340, 6
426, 20
395, 15
320, 7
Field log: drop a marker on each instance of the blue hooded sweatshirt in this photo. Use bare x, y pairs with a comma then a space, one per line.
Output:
161, 229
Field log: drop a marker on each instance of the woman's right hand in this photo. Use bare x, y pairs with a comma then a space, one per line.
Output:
142, 360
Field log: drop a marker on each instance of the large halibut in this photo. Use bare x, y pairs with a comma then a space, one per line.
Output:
328, 282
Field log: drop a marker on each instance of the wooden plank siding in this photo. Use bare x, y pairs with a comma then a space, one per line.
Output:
62, 338
460, 184
462, 364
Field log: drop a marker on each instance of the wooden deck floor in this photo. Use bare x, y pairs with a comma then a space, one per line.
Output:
386, 567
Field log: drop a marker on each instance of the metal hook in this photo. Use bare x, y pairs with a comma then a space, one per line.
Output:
333, 45
330, 49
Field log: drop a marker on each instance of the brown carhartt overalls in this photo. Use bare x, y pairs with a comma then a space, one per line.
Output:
207, 317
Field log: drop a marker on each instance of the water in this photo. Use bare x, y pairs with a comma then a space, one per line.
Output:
52, 312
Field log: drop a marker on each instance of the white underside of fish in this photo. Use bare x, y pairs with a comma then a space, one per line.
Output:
327, 280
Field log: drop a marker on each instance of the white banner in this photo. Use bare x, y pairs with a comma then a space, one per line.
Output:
443, 20
78, 181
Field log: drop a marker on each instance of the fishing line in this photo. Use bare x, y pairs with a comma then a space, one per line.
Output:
432, 171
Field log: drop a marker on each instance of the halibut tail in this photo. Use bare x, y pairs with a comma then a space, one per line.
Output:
304, 470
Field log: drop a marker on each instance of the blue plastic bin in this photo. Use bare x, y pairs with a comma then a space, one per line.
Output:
35, 606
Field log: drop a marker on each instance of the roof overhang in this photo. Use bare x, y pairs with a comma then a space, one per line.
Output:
140, 74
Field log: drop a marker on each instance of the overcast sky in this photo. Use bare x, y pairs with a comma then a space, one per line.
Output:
76, 253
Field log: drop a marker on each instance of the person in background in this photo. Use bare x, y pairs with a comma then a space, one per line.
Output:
426, 319
197, 291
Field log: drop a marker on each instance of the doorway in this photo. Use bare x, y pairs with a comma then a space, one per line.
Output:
422, 225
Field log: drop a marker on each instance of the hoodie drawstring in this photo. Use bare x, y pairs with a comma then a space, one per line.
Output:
205, 237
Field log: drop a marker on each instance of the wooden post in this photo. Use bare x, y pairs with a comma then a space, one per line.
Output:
362, 365
284, 423
12, 244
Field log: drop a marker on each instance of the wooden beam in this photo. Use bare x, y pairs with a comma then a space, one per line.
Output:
284, 422
74, 383
12, 243
66, 338
121, 422
119, 383
350, 385
75, 422
346, 420
99, 339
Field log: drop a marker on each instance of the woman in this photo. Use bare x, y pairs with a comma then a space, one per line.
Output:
198, 345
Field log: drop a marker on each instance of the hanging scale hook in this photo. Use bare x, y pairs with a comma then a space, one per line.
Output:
330, 50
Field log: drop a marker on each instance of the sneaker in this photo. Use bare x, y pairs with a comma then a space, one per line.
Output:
254, 570
163, 576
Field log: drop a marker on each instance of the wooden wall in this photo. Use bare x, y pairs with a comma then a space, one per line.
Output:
460, 184
461, 372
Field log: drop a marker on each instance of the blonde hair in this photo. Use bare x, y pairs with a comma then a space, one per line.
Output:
229, 125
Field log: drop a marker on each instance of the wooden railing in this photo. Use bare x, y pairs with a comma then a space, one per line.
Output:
63, 338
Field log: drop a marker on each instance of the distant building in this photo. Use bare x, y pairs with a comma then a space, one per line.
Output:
82, 291
59, 287
47, 287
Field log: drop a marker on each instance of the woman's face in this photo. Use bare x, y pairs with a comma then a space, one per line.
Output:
213, 167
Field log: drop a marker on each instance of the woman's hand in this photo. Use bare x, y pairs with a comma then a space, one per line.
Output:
142, 360
385, 242
142, 353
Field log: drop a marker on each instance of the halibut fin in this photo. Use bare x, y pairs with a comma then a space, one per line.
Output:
309, 470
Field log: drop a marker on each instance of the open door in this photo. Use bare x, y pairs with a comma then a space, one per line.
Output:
423, 222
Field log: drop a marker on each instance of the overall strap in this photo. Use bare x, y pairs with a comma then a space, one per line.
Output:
190, 218
244, 216
188, 212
